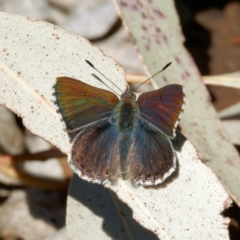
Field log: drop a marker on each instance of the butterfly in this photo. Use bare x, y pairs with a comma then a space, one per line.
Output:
128, 137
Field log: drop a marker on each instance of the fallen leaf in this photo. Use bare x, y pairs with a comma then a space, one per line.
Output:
187, 206
232, 128
34, 54
155, 29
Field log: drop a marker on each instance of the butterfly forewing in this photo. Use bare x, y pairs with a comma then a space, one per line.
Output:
163, 107
81, 104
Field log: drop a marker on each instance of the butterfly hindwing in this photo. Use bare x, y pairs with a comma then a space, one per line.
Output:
95, 152
163, 107
81, 104
152, 157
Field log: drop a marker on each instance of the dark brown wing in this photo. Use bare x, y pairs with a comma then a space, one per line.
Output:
163, 107
95, 152
152, 157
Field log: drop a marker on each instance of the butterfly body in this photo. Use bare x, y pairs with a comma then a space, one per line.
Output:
127, 137
127, 112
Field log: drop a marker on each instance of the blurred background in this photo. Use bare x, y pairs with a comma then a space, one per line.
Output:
34, 176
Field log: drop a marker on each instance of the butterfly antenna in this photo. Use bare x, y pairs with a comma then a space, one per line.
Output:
91, 65
100, 80
166, 66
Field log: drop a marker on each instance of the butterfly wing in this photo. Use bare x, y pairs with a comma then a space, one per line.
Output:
95, 152
81, 104
152, 157
163, 107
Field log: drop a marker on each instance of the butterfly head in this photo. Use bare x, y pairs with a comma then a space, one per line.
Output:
128, 94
